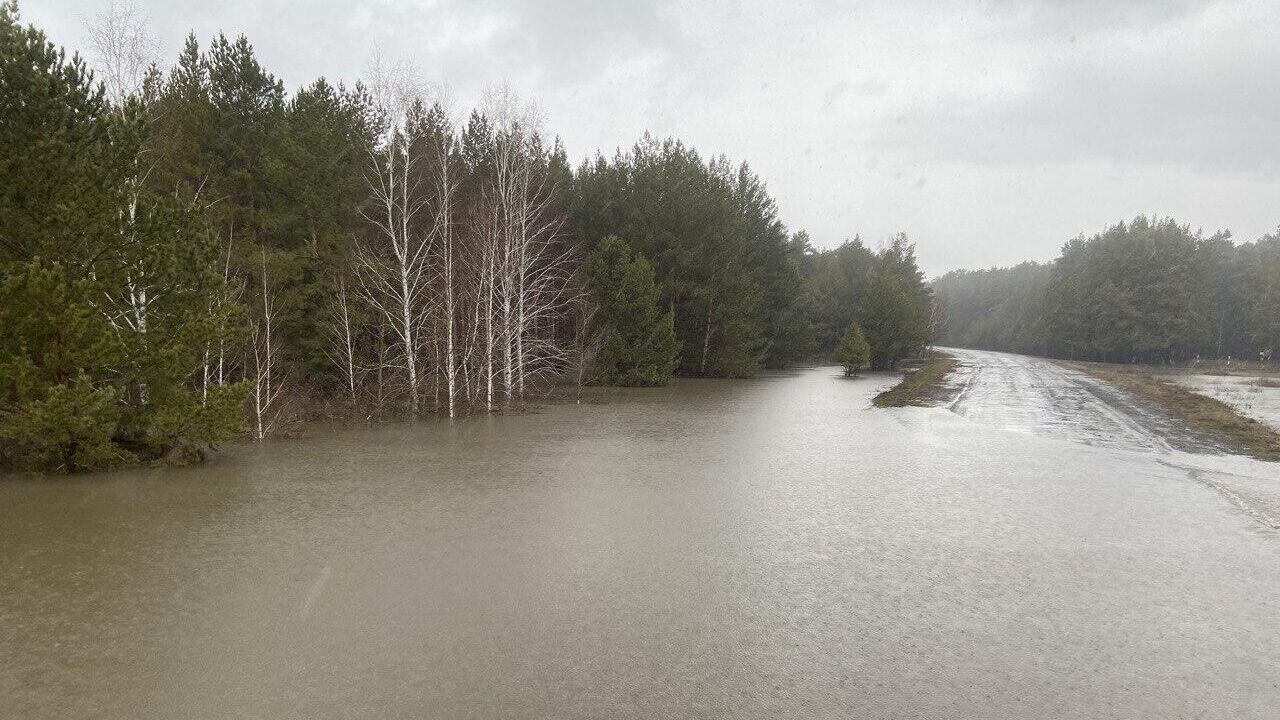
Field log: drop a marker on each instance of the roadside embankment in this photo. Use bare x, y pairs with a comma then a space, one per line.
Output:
922, 386
1199, 411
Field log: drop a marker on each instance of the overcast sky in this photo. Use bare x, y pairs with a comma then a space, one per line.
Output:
989, 132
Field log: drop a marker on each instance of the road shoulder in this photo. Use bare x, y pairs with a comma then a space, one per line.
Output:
1202, 412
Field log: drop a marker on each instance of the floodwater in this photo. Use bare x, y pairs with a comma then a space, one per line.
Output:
1255, 396
716, 549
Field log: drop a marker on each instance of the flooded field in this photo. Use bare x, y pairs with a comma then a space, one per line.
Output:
1257, 397
714, 549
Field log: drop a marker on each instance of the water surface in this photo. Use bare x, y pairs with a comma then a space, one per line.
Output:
715, 549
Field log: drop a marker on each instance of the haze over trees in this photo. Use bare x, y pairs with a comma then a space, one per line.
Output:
188, 255
1149, 290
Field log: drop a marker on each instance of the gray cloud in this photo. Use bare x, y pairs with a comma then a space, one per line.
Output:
1181, 91
991, 132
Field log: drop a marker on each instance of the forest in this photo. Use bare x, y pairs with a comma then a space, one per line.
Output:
1149, 290
192, 254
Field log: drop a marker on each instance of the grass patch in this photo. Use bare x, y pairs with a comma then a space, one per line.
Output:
920, 387
1215, 417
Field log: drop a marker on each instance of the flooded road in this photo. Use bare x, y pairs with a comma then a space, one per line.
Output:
1033, 395
1022, 394
715, 549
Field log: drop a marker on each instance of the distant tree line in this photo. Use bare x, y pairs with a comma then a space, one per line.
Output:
192, 254
1149, 290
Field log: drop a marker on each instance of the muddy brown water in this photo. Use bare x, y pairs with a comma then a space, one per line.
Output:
736, 549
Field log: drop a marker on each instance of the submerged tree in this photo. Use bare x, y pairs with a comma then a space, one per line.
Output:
55, 411
393, 265
852, 351
895, 307
342, 338
638, 345
531, 265
105, 314
267, 380
718, 251
201, 234
835, 283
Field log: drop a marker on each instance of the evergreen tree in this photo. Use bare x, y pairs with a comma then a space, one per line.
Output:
787, 333
835, 282
639, 343
179, 144
318, 186
57, 167
1260, 302
52, 344
895, 308
995, 309
852, 351
104, 291
707, 241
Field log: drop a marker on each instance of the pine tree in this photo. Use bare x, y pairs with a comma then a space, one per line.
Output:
895, 307
852, 352
787, 335
104, 283
52, 342
835, 282
55, 159
711, 243
639, 342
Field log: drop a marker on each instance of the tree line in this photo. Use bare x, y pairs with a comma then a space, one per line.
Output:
190, 254
1149, 291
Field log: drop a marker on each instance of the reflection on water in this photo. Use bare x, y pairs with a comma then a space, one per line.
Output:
761, 548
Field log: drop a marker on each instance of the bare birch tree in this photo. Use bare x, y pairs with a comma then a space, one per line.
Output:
218, 370
392, 266
342, 337
267, 383
532, 266
123, 49
445, 184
